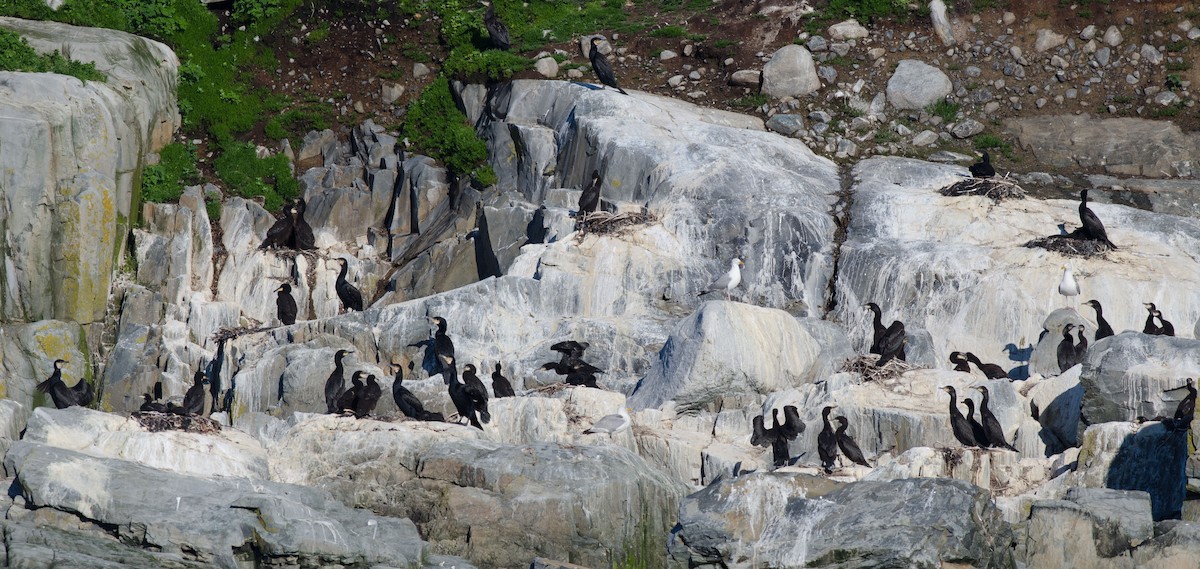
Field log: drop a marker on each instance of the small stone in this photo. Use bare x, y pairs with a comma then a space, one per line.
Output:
1102, 56
728, 61
819, 117
786, 124
973, 71
420, 70
1193, 33
688, 50
1088, 32
817, 43
745, 78
925, 138
1048, 39
1008, 18
847, 147
696, 94
1072, 93
1166, 98
694, 76
675, 80
667, 54
1058, 62
358, 108
876, 52
1015, 52
827, 73
390, 91
574, 73
1112, 36
1184, 26
1151, 55
847, 30
902, 130
840, 49
991, 107
547, 67
1041, 102
967, 128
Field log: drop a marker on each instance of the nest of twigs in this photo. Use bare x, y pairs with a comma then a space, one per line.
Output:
608, 223
865, 365
156, 422
549, 389
1070, 245
231, 332
998, 189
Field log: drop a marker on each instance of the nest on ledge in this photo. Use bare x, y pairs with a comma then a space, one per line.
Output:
155, 422
998, 189
608, 223
229, 333
865, 365
1073, 245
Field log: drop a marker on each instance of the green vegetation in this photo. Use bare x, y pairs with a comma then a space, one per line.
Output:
17, 55
992, 142
669, 32
1178, 65
1168, 111
750, 101
723, 43
176, 168
886, 135
945, 109
435, 125
845, 109
294, 123
247, 175
468, 63
1174, 82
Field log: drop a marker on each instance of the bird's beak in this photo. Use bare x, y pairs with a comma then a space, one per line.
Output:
741, 263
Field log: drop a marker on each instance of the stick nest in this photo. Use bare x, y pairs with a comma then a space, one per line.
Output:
864, 365
231, 332
607, 223
998, 189
1070, 245
157, 422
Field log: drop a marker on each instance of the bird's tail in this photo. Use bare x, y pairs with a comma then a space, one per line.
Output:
622, 91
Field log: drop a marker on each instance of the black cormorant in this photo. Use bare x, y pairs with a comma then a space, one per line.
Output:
303, 239
285, 305
877, 326
350, 296
1186, 409
280, 234
442, 344
500, 385
582, 373
995, 434
193, 400
1103, 330
497, 31
348, 400
368, 397
960, 363
1150, 328
478, 392
600, 65
983, 168
992, 371
1092, 227
589, 200
827, 447
778, 436
149, 404
976, 427
1164, 328
1081, 347
958, 423
83, 392
62, 395
847, 444
462, 400
891, 345
407, 402
1066, 350
335, 386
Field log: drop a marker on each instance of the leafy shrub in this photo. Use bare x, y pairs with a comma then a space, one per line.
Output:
247, 175
436, 126
945, 109
17, 55
295, 123
176, 168
466, 62
669, 32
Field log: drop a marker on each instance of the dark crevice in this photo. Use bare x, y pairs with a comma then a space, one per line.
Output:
841, 219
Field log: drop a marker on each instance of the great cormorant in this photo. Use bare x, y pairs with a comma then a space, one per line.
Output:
1186, 410
983, 168
407, 402
827, 447
891, 345
500, 384
280, 233
995, 434
992, 371
1164, 328
193, 400
462, 400
778, 436
335, 386
589, 200
368, 397
302, 234
976, 427
600, 65
62, 395
443, 346
960, 362
350, 296
1103, 330
285, 305
876, 326
348, 400
477, 390
1066, 350
847, 444
959, 424
149, 404
1081, 346
497, 31
1092, 227
1150, 327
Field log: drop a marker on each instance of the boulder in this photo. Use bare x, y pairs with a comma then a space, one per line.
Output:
790, 73
1119, 146
941, 23
847, 30
1134, 375
916, 85
1125, 456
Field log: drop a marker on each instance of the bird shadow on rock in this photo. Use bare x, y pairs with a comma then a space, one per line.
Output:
1153, 460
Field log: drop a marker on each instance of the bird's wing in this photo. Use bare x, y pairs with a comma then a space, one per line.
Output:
607, 424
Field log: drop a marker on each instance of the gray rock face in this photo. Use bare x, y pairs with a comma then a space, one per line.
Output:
1125, 456
210, 521
74, 151
1121, 146
1126, 376
771, 519
916, 85
790, 73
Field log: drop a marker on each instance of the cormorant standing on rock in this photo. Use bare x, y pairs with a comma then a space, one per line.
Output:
992, 371
368, 397
827, 447
891, 345
976, 427
500, 385
463, 402
193, 400
572, 355
1092, 227
443, 346
1081, 347
476, 389
149, 404
983, 169
1150, 328
995, 434
847, 444
83, 392
285, 305
1186, 410
960, 363
589, 200
348, 400
1164, 328
727, 281
879, 329
958, 423
497, 31
1067, 358
778, 436
280, 233
350, 296
303, 238
600, 65
62, 395
407, 402
335, 386
583, 374
1103, 330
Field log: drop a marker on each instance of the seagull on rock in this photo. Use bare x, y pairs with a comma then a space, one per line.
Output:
727, 281
1068, 287
612, 424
